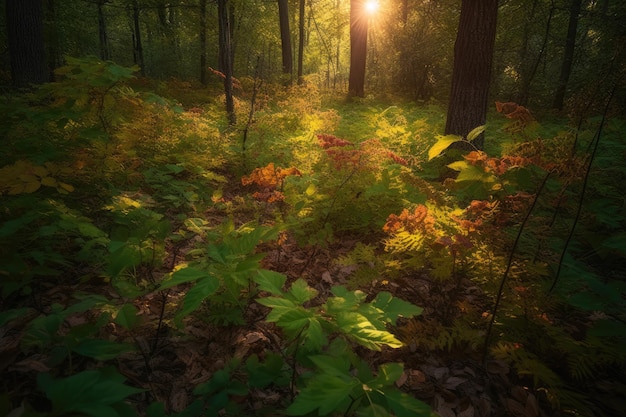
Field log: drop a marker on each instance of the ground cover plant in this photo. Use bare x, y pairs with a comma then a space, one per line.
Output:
319, 258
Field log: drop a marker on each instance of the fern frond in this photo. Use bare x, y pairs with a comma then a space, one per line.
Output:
403, 241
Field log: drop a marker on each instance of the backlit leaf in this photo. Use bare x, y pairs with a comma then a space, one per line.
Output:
443, 142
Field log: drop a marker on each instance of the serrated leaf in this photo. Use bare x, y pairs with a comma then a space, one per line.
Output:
389, 373
403, 405
394, 307
324, 392
183, 275
362, 331
279, 306
301, 292
198, 293
270, 281
101, 350
443, 142
127, 316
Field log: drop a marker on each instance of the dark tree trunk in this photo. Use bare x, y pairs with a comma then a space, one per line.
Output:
358, 48
203, 46
137, 45
102, 32
26, 42
51, 36
285, 36
471, 75
568, 55
226, 58
301, 40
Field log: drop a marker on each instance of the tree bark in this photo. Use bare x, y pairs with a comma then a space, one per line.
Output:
26, 42
102, 32
137, 45
471, 74
285, 36
226, 58
358, 48
203, 45
568, 55
301, 40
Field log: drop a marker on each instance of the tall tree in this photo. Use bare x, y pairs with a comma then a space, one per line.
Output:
358, 48
137, 44
102, 31
226, 61
203, 45
568, 54
301, 39
26, 42
471, 74
285, 36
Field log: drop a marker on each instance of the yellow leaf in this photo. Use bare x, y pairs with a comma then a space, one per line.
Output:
49, 182
31, 187
65, 187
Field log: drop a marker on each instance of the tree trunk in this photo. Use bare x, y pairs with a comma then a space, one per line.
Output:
568, 55
137, 45
301, 40
26, 42
226, 58
285, 36
358, 48
102, 32
471, 74
203, 45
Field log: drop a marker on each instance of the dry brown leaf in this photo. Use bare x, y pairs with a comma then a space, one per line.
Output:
532, 406
402, 380
179, 400
30, 364
468, 412
417, 376
453, 382
519, 394
515, 408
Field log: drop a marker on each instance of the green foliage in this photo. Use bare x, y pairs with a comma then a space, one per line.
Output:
90, 393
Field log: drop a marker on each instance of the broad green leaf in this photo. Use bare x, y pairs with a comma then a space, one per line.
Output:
373, 410
101, 350
395, 307
183, 275
362, 331
270, 281
403, 405
337, 366
279, 306
127, 316
7, 316
324, 392
198, 293
443, 142
389, 373
301, 292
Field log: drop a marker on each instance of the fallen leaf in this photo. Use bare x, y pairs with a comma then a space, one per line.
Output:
453, 382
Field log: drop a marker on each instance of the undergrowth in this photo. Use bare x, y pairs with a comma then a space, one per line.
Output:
128, 216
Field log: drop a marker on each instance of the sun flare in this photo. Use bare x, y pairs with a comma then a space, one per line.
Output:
372, 6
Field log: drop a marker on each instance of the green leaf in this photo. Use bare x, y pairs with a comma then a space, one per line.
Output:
197, 294
270, 281
443, 142
301, 292
183, 275
127, 316
395, 307
102, 350
362, 331
324, 392
389, 373
403, 405
279, 306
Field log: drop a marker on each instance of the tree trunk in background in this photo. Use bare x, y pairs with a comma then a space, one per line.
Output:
285, 37
471, 74
137, 45
26, 42
203, 46
568, 55
358, 48
51, 36
102, 32
301, 40
226, 58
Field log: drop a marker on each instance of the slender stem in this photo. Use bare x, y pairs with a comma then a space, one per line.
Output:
510, 264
